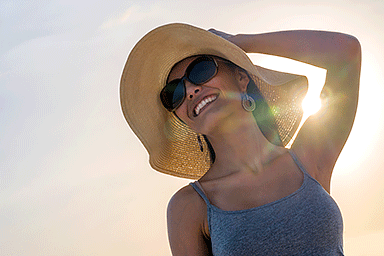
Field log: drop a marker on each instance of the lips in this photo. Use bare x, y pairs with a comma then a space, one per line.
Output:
203, 103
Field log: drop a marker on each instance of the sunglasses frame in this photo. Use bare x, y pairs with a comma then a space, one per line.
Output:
181, 82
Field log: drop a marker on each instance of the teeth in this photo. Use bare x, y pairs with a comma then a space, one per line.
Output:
203, 103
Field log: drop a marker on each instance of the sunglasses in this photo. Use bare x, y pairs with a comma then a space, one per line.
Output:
200, 71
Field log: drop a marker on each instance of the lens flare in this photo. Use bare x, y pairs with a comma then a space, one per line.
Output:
311, 105
315, 75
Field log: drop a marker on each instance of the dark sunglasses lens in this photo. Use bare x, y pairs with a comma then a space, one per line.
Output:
198, 72
173, 94
202, 71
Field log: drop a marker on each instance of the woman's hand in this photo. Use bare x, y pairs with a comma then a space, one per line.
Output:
221, 34
231, 38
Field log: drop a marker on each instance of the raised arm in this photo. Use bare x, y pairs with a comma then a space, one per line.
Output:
324, 134
320, 48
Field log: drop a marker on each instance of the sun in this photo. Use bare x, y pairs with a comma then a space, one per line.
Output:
311, 104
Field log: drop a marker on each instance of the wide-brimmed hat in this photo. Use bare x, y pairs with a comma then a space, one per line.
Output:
172, 146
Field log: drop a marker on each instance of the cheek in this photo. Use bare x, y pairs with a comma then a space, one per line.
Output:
226, 82
181, 112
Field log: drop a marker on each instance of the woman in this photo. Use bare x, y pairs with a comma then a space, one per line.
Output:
204, 111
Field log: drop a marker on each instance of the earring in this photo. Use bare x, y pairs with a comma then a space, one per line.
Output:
248, 102
200, 143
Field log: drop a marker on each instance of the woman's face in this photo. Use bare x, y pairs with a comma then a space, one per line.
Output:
209, 105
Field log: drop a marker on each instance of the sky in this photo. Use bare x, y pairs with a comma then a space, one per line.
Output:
75, 180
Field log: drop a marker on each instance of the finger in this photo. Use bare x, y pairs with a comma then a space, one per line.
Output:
220, 33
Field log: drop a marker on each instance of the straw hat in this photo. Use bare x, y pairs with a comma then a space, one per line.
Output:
172, 146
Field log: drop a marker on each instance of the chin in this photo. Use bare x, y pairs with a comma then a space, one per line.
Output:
217, 121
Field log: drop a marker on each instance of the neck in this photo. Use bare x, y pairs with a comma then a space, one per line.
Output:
241, 148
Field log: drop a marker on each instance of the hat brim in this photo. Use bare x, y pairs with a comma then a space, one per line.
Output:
147, 69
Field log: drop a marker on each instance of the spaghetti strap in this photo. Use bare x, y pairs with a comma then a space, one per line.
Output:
197, 186
301, 167
297, 161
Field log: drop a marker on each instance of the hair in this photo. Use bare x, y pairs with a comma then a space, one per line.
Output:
262, 113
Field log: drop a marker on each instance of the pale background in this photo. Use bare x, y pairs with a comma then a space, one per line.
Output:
74, 179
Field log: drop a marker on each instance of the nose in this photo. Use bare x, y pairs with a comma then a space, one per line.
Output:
191, 89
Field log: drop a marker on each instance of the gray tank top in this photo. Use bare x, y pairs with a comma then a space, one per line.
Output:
306, 222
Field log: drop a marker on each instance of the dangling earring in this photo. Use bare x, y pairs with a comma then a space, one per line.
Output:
200, 143
248, 102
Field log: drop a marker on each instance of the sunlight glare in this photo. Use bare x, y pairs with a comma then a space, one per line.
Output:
316, 77
311, 105
316, 80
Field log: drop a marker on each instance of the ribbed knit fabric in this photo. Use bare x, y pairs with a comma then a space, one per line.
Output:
306, 222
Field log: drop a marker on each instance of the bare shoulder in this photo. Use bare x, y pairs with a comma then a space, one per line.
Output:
186, 219
185, 199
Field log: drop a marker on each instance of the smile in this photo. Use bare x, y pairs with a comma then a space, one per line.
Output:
203, 103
